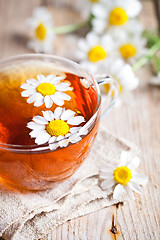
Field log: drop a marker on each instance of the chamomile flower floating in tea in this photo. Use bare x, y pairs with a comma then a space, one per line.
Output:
93, 50
46, 90
43, 35
123, 176
56, 126
113, 13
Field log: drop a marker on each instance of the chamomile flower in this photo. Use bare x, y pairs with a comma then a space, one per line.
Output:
42, 31
130, 48
60, 126
46, 90
121, 72
85, 11
114, 13
93, 50
123, 176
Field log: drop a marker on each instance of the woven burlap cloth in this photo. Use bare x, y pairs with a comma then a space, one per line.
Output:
32, 215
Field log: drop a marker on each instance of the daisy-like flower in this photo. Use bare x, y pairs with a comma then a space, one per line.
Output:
85, 11
129, 47
42, 30
123, 176
57, 127
114, 13
155, 81
121, 72
93, 50
46, 90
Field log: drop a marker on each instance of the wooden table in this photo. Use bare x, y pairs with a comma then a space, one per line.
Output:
139, 219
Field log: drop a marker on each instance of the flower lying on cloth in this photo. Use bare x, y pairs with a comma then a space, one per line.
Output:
113, 13
123, 176
46, 90
93, 50
43, 35
57, 127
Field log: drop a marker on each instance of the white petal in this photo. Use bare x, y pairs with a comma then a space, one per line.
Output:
52, 139
134, 163
57, 112
125, 155
62, 86
48, 115
65, 96
107, 183
140, 178
27, 86
135, 187
33, 82
35, 126
57, 99
39, 102
60, 138
36, 133
105, 175
75, 139
56, 80
129, 192
83, 131
32, 98
76, 120
48, 101
63, 143
119, 189
27, 93
74, 129
43, 138
53, 146
40, 120
67, 114
41, 78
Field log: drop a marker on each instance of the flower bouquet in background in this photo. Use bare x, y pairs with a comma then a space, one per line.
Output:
116, 44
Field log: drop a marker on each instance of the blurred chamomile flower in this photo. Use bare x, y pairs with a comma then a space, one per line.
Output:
113, 13
128, 47
123, 176
42, 30
121, 72
93, 50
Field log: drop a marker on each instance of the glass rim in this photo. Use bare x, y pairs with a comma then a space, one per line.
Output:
36, 56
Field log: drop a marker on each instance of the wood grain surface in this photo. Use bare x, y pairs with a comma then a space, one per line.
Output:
140, 124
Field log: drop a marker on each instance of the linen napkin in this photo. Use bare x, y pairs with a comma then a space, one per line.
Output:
32, 215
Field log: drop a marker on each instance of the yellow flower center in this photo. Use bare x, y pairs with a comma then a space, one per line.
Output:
122, 175
40, 32
94, 1
127, 51
57, 128
107, 87
46, 89
96, 54
118, 16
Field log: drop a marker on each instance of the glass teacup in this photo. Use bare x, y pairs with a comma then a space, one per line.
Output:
31, 165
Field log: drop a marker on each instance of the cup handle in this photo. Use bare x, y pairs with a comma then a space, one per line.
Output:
113, 92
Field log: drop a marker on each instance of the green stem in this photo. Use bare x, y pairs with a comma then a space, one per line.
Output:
70, 28
145, 59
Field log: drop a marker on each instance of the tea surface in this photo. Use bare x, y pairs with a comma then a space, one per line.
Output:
15, 112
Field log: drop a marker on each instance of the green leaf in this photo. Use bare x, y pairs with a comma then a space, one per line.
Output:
157, 63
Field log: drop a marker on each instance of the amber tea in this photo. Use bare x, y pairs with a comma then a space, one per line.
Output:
28, 108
